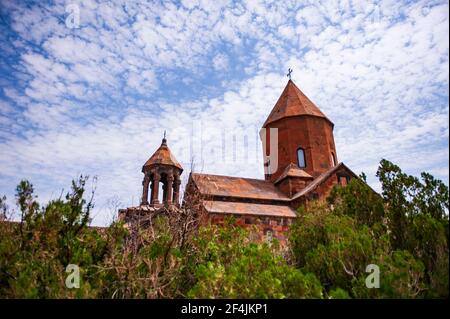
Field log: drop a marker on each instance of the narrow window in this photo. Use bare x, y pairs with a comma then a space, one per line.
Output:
301, 157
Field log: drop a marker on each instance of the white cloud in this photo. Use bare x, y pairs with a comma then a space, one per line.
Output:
95, 100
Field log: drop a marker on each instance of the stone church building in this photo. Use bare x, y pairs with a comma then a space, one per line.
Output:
307, 168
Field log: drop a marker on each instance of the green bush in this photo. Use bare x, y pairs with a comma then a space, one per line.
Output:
230, 266
404, 232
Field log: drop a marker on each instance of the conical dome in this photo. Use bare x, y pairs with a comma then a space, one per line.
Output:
293, 102
162, 156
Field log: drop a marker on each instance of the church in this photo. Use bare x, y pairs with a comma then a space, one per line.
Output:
300, 165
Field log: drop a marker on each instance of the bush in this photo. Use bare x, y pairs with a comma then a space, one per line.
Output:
404, 232
229, 265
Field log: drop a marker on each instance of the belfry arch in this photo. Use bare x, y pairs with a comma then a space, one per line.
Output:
162, 169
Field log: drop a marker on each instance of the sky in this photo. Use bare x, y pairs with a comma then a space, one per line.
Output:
89, 87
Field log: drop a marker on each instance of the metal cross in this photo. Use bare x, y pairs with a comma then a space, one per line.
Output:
289, 73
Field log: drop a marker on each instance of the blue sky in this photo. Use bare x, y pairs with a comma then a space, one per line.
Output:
94, 96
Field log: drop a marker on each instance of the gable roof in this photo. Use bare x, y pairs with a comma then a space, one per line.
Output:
163, 156
238, 187
321, 179
293, 102
293, 170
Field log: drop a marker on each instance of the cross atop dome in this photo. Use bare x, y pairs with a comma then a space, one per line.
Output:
289, 73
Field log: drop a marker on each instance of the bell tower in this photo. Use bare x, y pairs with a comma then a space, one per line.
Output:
161, 169
304, 139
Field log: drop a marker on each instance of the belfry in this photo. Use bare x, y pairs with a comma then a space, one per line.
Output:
161, 168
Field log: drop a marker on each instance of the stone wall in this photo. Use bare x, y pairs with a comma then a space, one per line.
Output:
261, 227
313, 134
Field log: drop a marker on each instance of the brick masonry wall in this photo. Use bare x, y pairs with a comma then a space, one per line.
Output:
261, 225
323, 190
313, 134
292, 185
258, 225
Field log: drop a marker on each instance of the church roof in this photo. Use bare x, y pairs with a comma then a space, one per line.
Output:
323, 178
237, 187
293, 170
293, 102
248, 209
163, 156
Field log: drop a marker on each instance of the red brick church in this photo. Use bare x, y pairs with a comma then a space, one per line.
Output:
305, 168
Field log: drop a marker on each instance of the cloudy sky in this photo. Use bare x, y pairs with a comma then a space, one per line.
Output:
88, 87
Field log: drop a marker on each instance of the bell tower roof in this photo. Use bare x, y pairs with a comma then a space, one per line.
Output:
293, 102
163, 156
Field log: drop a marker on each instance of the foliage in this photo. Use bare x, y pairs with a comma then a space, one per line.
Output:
35, 252
359, 201
163, 256
404, 231
229, 265
150, 262
407, 197
418, 218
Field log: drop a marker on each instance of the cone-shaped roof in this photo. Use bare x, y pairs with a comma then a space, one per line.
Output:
163, 156
293, 102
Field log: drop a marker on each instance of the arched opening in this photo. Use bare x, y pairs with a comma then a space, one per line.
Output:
301, 159
151, 187
164, 188
162, 194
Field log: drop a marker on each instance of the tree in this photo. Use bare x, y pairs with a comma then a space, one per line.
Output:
229, 265
35, 252
404, 232
337, 249
418, 218
3, 209
407, 197
358, 200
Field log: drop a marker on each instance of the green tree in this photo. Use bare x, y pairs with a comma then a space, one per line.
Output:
359, 201
406, 197
404, 231
35, 252
337, 249
418, 218
229, 265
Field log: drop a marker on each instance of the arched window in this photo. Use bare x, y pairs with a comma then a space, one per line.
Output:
333, 159
301, 157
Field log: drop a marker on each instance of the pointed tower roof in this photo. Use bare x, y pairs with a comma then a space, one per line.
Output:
162, 156
293, 102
